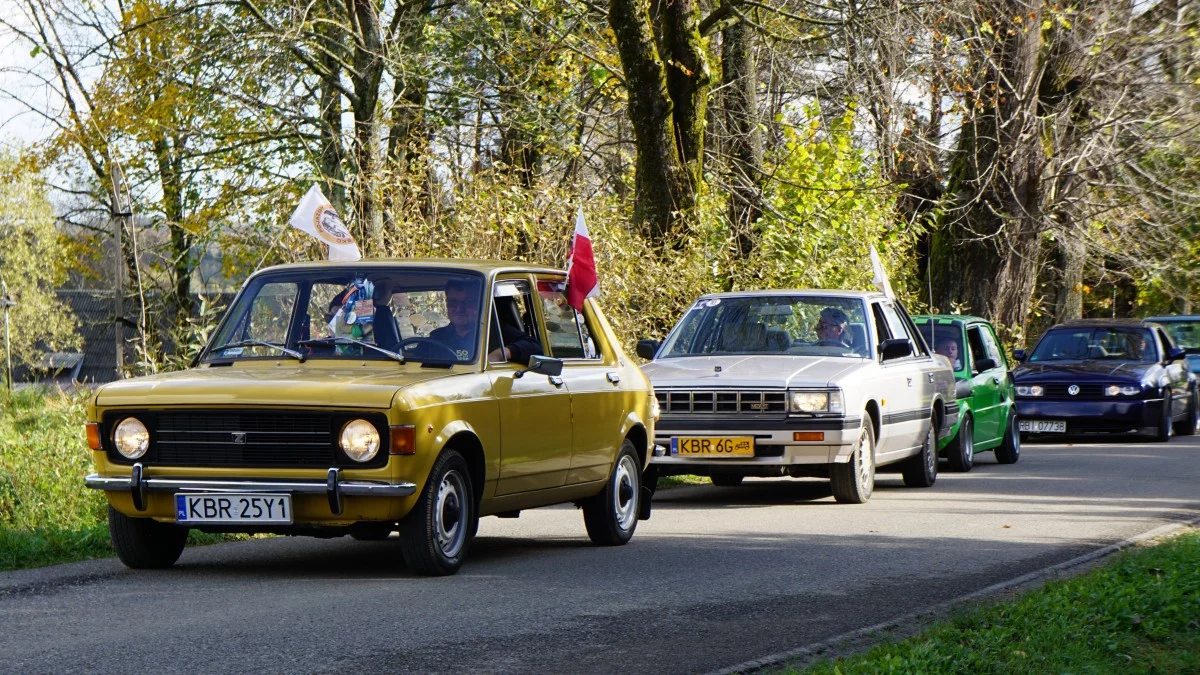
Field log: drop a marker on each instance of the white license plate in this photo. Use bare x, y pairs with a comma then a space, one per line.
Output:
225, 507
1043, 426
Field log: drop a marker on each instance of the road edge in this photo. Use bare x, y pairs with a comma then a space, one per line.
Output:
906, 625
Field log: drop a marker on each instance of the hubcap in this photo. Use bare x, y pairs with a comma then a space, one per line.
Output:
449, 515
930, 453
968, 441
625, 492
866, 462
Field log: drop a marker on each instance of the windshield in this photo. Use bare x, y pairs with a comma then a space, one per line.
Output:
771, 324
1113, 344
428, 316
1186, 334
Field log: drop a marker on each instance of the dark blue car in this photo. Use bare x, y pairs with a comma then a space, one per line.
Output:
1102, 375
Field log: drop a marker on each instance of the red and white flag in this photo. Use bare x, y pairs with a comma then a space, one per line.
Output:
581, 267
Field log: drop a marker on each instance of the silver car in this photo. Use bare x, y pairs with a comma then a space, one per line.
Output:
830, 384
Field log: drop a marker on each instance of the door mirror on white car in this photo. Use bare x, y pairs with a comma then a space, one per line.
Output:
895, 348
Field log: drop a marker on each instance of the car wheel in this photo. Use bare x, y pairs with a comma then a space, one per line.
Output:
145, 543
1009, 450
726, 479
854, 481
1187, 426
921, 469
961, 452
1163, 433
436, 534
611, 516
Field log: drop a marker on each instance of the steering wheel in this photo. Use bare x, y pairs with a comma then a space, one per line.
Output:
831, 343
428, 342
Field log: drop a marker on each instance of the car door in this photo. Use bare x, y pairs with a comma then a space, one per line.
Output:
986, 404
535, 410
593, 379
904, 420
1176, 373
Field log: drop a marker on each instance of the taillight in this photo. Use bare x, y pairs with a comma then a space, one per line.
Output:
93, 436
403, 441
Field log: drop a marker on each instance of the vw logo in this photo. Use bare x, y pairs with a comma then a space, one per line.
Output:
239, 438
1073, 389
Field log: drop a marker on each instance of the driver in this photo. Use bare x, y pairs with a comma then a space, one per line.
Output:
462, 308
831, 328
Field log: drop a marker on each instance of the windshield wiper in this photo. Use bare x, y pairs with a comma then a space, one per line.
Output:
352, 341
259, 343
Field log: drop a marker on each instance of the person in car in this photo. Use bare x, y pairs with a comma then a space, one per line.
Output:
462, 308
948, 347
831, 328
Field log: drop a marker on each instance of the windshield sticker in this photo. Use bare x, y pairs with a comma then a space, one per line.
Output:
233, 351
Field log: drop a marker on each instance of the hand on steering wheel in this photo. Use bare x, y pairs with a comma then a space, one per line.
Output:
424, 341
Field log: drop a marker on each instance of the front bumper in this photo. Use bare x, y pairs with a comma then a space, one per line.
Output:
138, 486
774, 444
1094, 416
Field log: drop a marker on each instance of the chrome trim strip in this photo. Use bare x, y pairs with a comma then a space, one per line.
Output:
356, 488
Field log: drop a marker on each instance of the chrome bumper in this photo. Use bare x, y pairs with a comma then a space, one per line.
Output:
333, 486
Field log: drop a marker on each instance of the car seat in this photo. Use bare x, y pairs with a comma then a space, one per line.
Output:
387, 333
778, 339
748, 337
856, 334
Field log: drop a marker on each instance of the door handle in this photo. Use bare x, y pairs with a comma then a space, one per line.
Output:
930, 377
613, 377
910, 381
995, 380
556, 381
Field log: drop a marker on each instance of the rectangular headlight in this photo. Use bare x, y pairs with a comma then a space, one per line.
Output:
1122, 390
810, 402
1031, 390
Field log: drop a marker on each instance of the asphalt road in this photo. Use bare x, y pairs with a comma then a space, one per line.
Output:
717, 577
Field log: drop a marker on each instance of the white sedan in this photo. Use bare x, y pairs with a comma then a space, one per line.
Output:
817, 383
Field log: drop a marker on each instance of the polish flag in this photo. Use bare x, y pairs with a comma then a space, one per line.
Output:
581, 267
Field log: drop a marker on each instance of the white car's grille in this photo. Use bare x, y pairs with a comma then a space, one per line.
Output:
721, 402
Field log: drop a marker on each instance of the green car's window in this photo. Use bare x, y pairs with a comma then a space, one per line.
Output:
772, 324
979, 350
945, 340
993, 347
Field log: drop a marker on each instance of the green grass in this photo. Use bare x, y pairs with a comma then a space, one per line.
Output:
682, 480
47, 516
1138, 614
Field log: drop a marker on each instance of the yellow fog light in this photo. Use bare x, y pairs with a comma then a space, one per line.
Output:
131, 437
360, 440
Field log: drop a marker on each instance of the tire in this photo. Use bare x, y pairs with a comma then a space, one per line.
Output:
1187, 426
145, 543
726, 480
612, 516
436, 535
1009, 450
854, 481
921, 470
1163, 433
961, 452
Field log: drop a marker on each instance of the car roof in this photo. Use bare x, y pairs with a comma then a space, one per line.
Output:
486, 267
948, 318
838, 293
1173, 317
1100, 323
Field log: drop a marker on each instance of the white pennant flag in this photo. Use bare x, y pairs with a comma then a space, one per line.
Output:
881, 278
315, 215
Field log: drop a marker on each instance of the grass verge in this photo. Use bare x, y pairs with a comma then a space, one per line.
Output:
1138, 614
47, 516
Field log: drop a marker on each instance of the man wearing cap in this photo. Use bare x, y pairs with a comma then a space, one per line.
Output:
831, 328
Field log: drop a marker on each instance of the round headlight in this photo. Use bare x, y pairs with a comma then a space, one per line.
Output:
131, 437
360, 440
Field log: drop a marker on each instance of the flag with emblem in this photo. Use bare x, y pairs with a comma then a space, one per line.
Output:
581, 266
880, 278
315, 215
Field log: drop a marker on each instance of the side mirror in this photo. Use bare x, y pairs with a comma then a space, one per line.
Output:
1175, 354
542, 365
895, 348
647, 348
963, 389
1019, 355
985, 364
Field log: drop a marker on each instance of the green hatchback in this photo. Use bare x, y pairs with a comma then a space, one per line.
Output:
987, 412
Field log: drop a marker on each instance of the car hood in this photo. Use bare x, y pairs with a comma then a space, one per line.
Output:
1081, 370
749, 371
286, 385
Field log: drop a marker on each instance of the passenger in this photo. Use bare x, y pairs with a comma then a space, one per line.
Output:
462, 308
948, 347
831, 328
518, 345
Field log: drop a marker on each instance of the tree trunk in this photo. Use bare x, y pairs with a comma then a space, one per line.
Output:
663, 193
366, 76
1071, 256
739, 72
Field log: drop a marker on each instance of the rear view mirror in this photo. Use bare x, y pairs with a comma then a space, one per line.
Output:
1019, 355
984, 364
647, 348
963, 389
895, 348
542, 365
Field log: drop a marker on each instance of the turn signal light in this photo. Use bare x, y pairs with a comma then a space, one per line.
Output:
808, 435
93, 436
403, 441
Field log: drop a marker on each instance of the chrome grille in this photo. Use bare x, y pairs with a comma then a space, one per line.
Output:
718, 401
